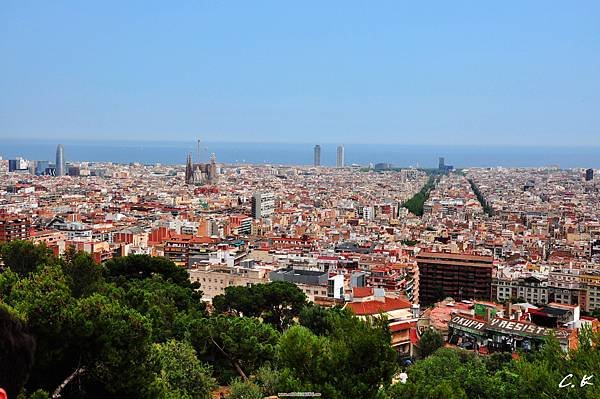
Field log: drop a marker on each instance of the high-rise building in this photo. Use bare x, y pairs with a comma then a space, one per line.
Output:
19, 164
41, 167
459, 276
317, 155
60, 160
74, 171
589, 174
263, 205
340, 157
443, 167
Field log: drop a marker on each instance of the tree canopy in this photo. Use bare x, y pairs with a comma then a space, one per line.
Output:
276, 303
137, 328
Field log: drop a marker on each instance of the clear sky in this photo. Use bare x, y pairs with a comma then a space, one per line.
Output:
444, 72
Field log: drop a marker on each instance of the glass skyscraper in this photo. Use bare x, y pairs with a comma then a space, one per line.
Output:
317, 155
340, 157
60, 160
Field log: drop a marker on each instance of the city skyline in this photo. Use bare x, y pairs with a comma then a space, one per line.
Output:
303, 154
465, 74
341, 199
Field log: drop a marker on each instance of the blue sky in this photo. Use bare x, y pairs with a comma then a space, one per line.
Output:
439, 72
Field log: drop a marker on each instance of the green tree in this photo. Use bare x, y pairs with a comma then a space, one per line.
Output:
178, 370
450, 373
145, 266
277, 303
113, 344
497, 361
244, 390
234, 345
83, 274
415, 203
95, 337
8, 279
45, 302
39, 394
352, 361
308, 357
322, 321
430, 341
24, 257
273, 381
94, 341
168, 306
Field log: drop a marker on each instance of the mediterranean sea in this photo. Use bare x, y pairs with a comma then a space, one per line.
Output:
426, 156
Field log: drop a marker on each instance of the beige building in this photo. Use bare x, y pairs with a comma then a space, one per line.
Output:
313, 291
589, 298
214, 279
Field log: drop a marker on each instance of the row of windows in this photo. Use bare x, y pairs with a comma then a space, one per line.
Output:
210, 280
315, 292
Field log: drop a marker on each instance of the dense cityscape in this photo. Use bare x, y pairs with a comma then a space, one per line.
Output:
486, 260
317, 199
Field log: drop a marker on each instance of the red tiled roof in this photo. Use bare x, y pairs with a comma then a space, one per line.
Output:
328, 258
376, 307
403, 326
361, 292
203, 240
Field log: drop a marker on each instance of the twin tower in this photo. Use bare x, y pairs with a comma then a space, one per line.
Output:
339, 162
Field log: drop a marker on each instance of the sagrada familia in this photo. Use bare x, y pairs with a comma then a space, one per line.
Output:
201, 173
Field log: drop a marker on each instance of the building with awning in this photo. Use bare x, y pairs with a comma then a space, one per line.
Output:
500, 334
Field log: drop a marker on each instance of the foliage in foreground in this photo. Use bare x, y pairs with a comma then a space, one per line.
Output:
454, 373
136, 328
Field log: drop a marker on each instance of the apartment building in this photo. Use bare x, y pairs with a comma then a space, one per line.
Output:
14, 227
460, 276
214, 279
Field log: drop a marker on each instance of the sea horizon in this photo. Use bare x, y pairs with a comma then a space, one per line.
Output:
174, 152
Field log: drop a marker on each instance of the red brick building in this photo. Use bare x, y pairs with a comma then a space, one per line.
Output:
14, 227
460, 276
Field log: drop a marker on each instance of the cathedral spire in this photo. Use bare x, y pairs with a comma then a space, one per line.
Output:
189, 173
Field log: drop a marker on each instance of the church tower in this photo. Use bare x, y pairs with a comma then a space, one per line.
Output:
189, 172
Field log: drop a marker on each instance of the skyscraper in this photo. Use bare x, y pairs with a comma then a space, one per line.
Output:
41, 167
589, 174
317, 155
442, 164
18, 164
60, 160
340, 157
